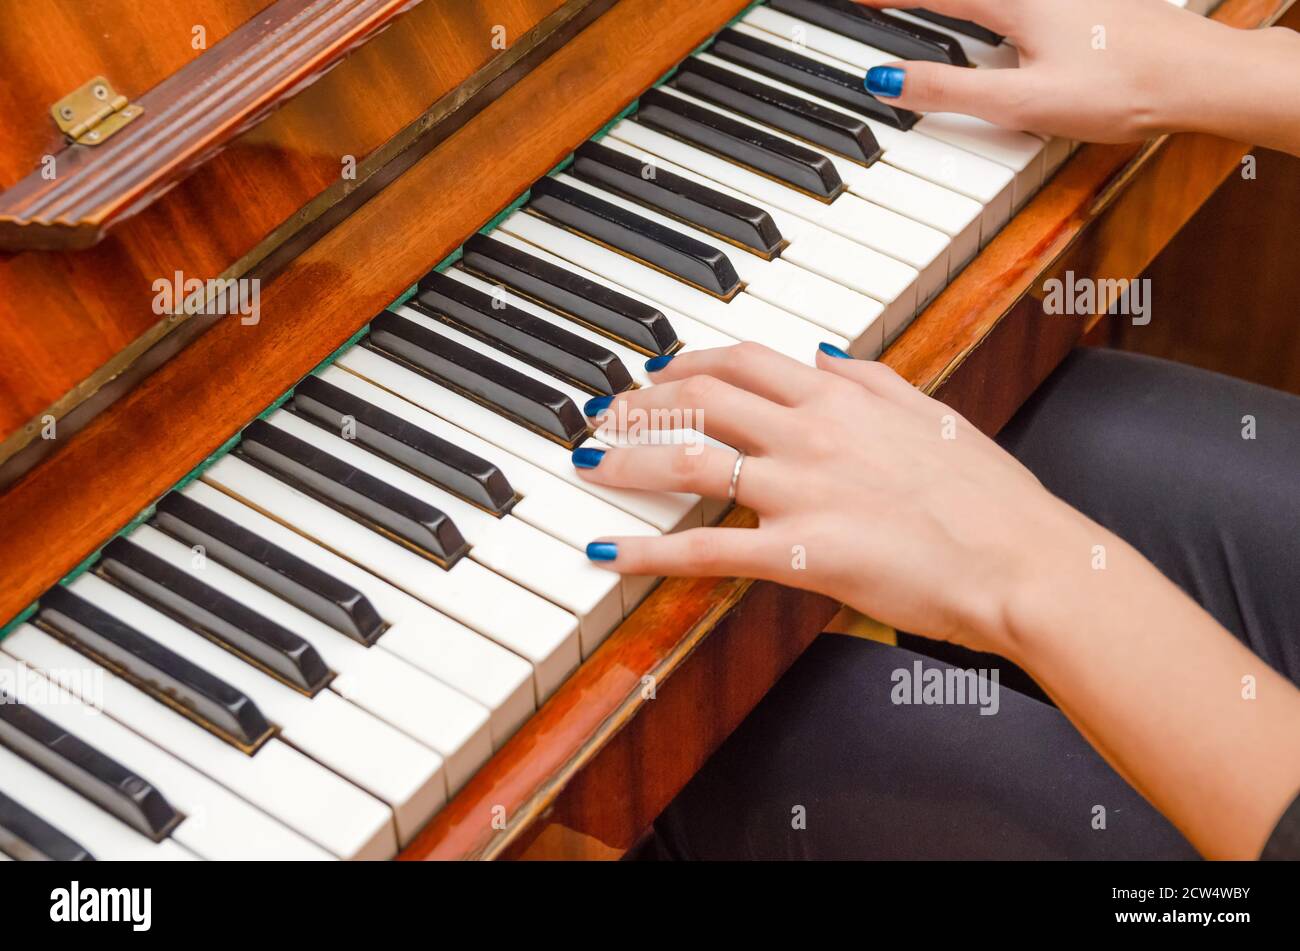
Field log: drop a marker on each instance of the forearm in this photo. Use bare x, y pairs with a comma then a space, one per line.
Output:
1161, 690
1243, 87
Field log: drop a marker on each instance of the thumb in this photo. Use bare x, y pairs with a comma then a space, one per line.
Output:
938, 87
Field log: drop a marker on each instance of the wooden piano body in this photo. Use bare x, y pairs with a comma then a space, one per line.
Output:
440, 153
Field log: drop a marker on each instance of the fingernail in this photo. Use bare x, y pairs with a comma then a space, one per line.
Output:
602, 551
885, 81
587, 458
594, 407
655, 364
833, 351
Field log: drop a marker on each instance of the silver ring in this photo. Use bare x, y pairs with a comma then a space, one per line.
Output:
735, 476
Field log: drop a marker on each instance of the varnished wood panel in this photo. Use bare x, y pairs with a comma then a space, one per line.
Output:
66, 315
1226, 291
1114, 231
184, 120
50, 47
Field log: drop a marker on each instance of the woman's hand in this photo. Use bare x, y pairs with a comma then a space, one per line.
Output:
1112, 71
867, 491
872, 493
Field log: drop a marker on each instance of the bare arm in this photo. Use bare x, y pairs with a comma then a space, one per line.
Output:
1203, 728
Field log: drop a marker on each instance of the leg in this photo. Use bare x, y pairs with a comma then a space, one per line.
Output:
880, 780
1156, 452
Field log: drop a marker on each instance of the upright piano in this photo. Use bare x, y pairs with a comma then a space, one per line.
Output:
301, 302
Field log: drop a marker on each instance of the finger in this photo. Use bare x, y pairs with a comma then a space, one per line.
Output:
749, 366
877, 378
883, 382
698, 468
992, 94
697, 553
1000, 16
702, 403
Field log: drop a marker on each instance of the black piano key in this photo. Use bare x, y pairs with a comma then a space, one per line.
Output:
26, 837
219, 616
964, 27
599, 307
741, 142
663, 248
837, 85
81, 767
504, 389
346, 487
160, 672
841, 133
471, 477
524, 336
299, 582
688, 201
876, 28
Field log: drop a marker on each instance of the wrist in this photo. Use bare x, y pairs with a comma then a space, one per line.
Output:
1064, 575
1235, 69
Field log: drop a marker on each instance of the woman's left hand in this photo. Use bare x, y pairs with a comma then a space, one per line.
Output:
866, 490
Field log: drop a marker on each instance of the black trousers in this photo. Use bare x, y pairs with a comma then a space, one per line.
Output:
1198, 471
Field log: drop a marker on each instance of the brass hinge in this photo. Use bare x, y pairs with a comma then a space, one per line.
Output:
94, 113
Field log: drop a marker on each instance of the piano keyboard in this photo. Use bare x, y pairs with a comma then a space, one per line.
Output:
307, 650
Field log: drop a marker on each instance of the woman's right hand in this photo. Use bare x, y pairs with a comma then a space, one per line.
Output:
1093, 70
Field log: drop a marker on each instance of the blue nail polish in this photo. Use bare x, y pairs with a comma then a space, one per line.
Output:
587, 458
885, 81
602, 551
655, 364
594, 407
833, 351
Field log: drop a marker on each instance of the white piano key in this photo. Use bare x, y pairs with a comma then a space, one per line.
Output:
558, 508
667, 512
692, 334
886, 232
388, 764
632, 359
966, 173
831, 255
105, 836
940, 208
1055, 155
811, 247
458, 657
574, 393
284, 783
514, 549
1018, 151
744, 317
449, 723
543, 634
805, 294
1021, 152
218, 825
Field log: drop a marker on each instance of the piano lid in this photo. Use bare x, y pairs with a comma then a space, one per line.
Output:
256, 127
